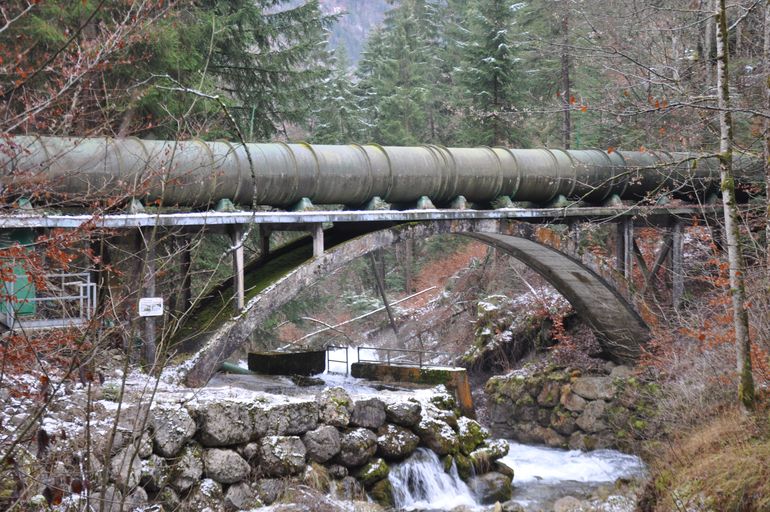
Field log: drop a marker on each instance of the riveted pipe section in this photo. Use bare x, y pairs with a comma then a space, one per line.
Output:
197, 173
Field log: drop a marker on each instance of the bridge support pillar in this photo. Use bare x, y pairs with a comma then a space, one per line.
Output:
317, 231
236, 236
677, 264
624, 247
147, 238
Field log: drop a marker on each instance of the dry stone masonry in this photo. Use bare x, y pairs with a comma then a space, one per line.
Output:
565, 409
237, 454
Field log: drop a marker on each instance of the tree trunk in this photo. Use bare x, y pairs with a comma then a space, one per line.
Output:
566, 130
735, 258
708, 42
766, 131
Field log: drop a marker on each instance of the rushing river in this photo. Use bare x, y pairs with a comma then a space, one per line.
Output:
542, 475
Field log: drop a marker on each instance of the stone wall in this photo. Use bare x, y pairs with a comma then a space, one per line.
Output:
230, 454
562, 408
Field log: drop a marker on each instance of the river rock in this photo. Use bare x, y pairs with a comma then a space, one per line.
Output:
622, 372
491, 487
591, 419
368, 413
405, 414
562, 421
530, 433
471, 434
224, 423
282, 455
443, 399
567, 504
108, 500
322, 443
241, 497
136, 500
225, 466
350, 489
169, 498
206, 495
126, 469
293, 418
334, 407
337, 471
553, 439
270, 489
549, 394
382, 494
188, 468
437, 435
372, 472
483, 457
154, 473
171, 428
394, 442
357, 447
594, 388
570, 400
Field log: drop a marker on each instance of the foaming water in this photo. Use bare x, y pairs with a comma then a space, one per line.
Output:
538, 463
421, 483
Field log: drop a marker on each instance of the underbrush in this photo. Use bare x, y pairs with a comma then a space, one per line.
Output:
721, 465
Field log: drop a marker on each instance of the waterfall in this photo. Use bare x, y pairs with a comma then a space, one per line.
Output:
421, 482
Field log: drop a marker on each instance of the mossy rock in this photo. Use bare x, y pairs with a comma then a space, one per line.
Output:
464, 466
372, 472
471, 434
382, 494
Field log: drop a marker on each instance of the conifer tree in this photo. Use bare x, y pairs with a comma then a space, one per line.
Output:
489, 74
336, 119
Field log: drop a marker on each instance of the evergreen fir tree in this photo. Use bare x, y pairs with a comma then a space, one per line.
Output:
336, 119
490, 75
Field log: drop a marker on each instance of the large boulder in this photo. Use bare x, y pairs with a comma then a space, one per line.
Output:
188, 468
322, 443
483, 457
471, 434
126, 469
368, 413
206, 495
405, 414
225, 422
594, 388
282, 455
491, 487
372, 472
155, 473
225, 466
171, 427
437, 435
357, 447
108, 500
570, 400
334, 407
241, 497
394, 442
549, 394
591, 419
292, 418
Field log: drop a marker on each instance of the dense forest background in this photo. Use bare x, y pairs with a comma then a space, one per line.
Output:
550, 73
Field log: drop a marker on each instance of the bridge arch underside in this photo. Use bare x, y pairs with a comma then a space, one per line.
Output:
619, 328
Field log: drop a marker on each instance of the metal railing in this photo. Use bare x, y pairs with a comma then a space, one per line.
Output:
329, 360
404, 357
68, 299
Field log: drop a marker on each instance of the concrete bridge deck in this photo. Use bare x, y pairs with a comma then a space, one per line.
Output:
278, 219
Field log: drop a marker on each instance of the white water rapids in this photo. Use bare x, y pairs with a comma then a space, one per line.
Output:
542, 475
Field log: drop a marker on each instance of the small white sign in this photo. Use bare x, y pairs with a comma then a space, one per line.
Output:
151, 306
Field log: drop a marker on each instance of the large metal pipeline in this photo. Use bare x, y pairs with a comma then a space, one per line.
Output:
197, 173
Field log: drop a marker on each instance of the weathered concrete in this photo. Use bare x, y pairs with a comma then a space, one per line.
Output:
593, 291
456, 379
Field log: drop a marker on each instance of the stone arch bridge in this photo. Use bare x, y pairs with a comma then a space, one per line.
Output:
599, 293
